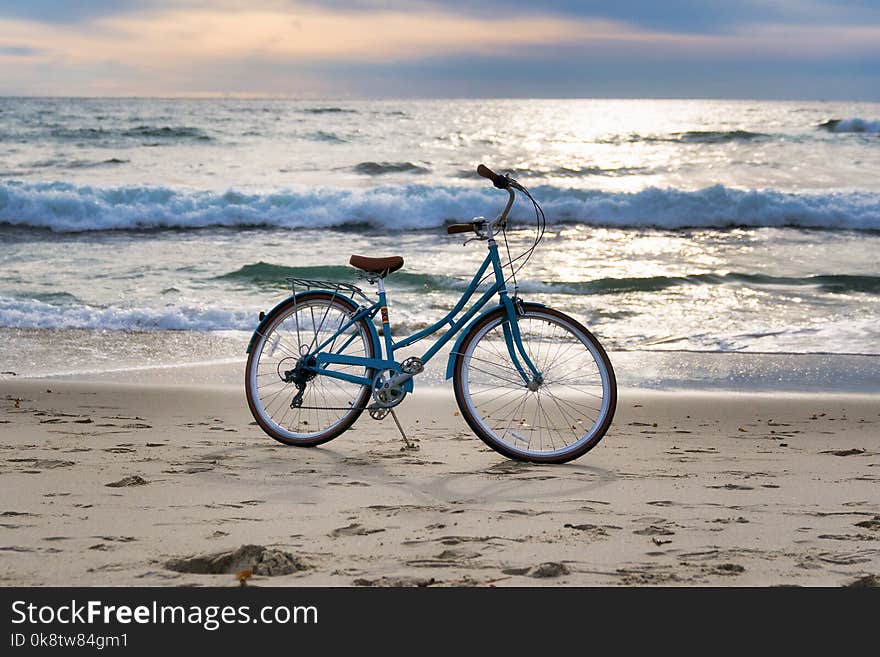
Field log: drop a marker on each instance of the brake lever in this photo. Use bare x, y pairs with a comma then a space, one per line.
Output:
479, 229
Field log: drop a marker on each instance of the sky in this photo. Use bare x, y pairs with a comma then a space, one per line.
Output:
773, 49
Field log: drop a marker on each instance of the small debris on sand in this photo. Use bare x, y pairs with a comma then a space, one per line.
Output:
549, 569
243, 576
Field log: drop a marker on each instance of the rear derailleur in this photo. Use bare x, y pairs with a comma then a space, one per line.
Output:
299, 376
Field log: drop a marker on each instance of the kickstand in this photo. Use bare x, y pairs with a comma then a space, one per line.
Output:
408, 444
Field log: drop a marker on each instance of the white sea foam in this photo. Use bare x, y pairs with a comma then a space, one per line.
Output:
65, 207
854, 336
29, 313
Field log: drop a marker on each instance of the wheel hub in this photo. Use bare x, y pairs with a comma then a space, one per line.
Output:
299, 375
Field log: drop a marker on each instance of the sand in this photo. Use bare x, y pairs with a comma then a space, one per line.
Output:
111, 483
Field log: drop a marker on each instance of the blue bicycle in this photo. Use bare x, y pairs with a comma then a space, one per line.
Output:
530, 381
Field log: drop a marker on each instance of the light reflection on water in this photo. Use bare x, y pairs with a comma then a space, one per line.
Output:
736, 289
748, 290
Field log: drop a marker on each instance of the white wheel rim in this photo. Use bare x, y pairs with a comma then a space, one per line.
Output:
270, 405
518, 418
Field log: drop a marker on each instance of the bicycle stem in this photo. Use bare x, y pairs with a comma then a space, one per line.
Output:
502, 219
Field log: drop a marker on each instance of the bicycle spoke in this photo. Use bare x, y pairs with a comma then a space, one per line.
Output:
323, 399
556, 415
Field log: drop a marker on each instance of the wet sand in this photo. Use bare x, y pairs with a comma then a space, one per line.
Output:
108, 483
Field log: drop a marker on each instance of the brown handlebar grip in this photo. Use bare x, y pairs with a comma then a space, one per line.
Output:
499, 181
459, 228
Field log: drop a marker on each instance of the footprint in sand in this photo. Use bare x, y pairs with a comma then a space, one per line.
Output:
844, 452
354, 529
847, 537
849, 558
133, 480
396, 582
36, 466
873, 524
591, 530
654, 530
547, 569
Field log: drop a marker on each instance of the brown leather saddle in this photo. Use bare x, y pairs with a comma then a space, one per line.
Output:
380, 267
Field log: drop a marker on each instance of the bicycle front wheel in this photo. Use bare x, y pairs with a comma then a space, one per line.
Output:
327, 406
557, 419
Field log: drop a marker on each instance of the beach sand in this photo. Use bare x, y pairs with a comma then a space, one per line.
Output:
114, 483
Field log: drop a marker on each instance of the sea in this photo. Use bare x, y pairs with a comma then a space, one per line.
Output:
149, 233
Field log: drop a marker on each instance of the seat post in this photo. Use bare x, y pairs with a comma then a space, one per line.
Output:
386, 324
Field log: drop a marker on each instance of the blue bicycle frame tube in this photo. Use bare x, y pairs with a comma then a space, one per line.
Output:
512, 336
465, 297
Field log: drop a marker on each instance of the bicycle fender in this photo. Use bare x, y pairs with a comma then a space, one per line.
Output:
265, 318
450, 364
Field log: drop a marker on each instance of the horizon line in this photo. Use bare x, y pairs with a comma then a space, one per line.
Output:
237, 96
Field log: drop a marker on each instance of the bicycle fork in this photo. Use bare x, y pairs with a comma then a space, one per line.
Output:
532, 378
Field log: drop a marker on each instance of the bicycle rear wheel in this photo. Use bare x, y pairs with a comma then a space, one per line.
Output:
327, 406
564, 416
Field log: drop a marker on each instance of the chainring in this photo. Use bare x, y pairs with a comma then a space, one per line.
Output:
385, 393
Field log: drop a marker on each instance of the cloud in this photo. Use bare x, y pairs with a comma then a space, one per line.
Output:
12, 50
163, 47
66, 11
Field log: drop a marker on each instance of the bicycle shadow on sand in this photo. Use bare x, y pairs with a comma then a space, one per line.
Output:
515, 481
420, 475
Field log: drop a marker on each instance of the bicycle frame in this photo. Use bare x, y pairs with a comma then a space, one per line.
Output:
512, 337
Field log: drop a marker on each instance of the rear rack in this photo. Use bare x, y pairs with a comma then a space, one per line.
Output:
336, 287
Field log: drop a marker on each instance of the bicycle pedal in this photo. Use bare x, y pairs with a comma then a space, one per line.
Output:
378, 413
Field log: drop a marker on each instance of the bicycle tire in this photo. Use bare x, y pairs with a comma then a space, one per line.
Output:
563, 408
278, 428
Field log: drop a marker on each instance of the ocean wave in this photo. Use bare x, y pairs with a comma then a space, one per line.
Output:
167, 132
141, 131
825, 336
828, 283
325, 136
854, 124
271, 275
716, 136
65, 207
562, 172
267, 274
33, 313
690, 137
77, 164
81, 133
382, 168
89, 164
329, 110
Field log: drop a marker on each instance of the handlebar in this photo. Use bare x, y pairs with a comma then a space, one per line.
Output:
501, 182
